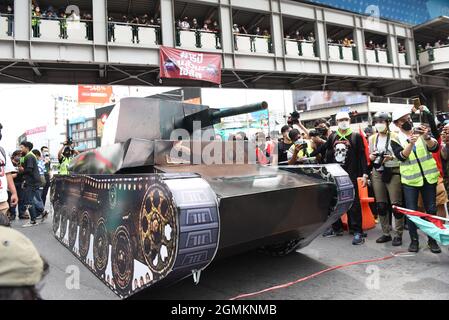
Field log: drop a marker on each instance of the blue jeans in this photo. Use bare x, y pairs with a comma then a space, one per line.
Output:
30, 193
428, 194
38, 203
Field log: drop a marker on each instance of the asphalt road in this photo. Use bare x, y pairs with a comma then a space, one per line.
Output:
423, 276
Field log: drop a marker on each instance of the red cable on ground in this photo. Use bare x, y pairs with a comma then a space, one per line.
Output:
288, 284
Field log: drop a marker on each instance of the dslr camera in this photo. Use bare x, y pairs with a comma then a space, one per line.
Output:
377, 163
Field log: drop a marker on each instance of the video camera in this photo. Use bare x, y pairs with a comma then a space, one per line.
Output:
68, 149
318, 132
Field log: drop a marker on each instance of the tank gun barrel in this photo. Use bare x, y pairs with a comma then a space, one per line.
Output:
217, 115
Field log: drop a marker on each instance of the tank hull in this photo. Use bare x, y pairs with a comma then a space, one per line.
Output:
140, 231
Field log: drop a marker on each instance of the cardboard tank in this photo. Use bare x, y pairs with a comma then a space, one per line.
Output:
140, 211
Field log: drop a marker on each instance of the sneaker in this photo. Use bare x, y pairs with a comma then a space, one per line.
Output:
329, 233
383, 239
397, 241
44, 216
414, 246
30, 224
358, 239
434, 247
364, 234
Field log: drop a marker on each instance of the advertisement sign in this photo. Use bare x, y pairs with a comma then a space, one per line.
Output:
315, 100
94, 94
183, 64
36, 130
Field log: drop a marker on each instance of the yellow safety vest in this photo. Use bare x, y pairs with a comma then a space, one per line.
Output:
411, 174
64, 167
301, 153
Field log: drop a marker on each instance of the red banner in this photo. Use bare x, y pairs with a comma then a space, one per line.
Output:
94, 94
183, 64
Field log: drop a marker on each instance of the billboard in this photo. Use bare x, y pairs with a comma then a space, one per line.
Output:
94, 94
183, 64
315, 100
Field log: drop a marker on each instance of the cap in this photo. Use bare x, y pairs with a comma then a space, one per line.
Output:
20, 262
399, 113
342, 115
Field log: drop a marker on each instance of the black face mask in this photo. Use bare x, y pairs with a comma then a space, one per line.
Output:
407, 126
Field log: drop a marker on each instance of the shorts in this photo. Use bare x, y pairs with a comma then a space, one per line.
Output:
4, 207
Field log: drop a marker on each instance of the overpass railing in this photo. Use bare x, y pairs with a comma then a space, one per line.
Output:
434, 55
377, 56
6, 25
340, 52
133, 33
204, 39
252, 43
61, 28
302, 48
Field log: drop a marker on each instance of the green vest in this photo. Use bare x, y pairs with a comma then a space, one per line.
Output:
410, 171
64, 167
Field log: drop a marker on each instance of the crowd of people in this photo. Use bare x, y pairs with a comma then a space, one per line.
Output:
194, 24
406, 167
438, 44
300, 37
370, 45
61, 15
345, 42
28, 171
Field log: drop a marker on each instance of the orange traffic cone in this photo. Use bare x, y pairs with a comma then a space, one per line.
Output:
368, 221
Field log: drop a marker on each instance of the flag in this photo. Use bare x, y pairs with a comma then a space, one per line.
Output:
431, 225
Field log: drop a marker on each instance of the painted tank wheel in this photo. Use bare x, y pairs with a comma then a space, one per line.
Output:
84, 235
73, 227
101, 246
122, 260
157, 229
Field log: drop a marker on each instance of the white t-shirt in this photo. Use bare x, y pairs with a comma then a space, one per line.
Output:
5, 167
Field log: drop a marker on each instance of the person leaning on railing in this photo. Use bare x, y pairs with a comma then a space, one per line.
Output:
63, 26
35, 22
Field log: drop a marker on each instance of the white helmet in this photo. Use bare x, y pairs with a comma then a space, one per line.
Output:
399, 113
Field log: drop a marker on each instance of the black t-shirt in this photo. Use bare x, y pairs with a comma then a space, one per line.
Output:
31, 172
282, 150
349, 152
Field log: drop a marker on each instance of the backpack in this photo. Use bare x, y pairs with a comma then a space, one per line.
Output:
3, 152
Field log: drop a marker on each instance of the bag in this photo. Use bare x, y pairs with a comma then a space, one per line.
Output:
387, 174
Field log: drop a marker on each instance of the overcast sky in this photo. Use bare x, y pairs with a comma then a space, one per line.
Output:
24, 107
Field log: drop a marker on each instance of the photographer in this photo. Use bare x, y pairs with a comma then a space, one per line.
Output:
284, 143
47, 168
65, 155
419, 171
385, 177
319, 137
300, 149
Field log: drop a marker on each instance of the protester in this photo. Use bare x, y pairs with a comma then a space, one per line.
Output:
39, 204
385, 178
284, 144
18, 209
32, 180
419, 171
47, 172
22, 268
65, 155
300, 149
346, 148
6, 181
